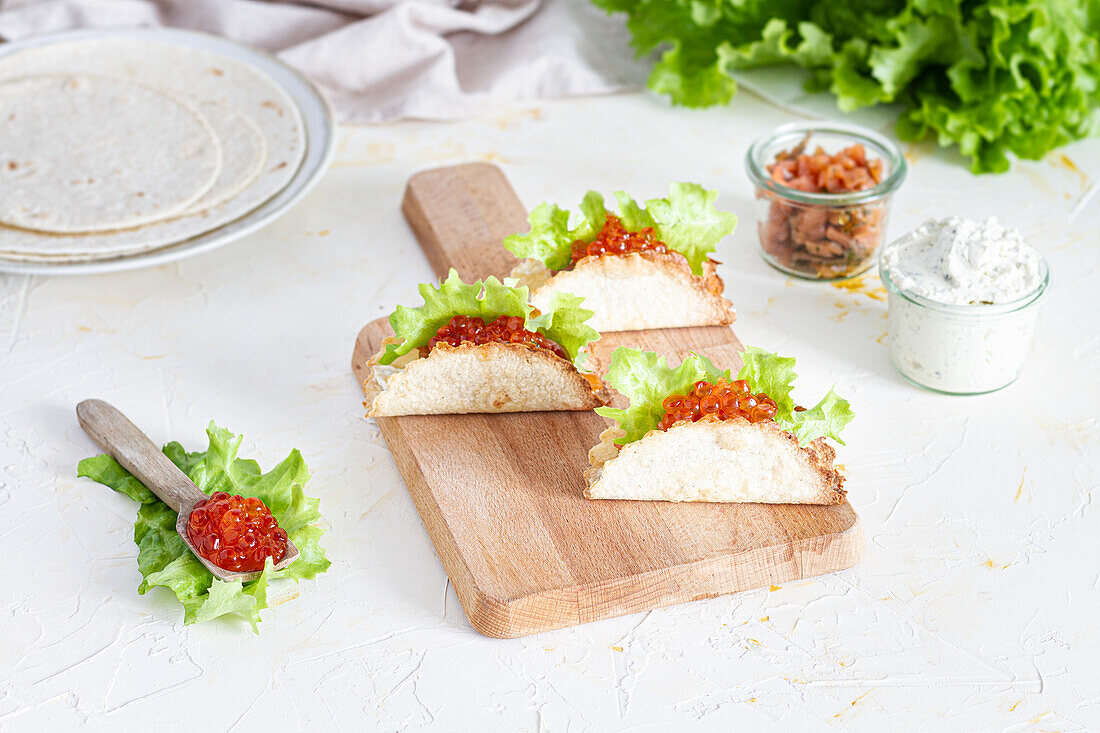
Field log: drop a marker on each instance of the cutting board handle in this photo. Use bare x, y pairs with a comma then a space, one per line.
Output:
460, 215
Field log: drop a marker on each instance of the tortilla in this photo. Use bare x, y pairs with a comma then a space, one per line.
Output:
715, 460
468, 378
82, 153
244, 152
635, 291
195, 74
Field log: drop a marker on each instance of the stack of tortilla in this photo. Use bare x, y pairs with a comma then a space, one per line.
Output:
116, 147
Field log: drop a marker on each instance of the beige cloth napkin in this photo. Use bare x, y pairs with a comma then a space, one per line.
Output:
389, 59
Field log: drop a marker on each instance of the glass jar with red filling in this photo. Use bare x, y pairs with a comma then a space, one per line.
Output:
236, 533
823, 194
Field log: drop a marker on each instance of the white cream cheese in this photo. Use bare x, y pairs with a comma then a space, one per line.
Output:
531, 273
382, 372
963, 303
964, 262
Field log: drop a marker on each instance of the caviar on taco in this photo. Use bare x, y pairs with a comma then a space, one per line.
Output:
480, 347
696, 433
638, 268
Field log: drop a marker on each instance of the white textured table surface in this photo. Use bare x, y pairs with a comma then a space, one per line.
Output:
975, 608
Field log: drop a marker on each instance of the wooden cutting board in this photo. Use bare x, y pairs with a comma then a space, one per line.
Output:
500, 495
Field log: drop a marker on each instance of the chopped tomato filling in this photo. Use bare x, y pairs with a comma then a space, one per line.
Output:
846, 171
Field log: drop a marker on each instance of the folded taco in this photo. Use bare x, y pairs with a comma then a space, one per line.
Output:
695, 433
480, 347
637, 268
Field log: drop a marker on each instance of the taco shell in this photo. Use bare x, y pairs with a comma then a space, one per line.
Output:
715, 460
494, 377
636, 291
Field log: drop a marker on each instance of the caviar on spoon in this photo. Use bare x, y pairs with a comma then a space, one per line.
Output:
231, 536
236, 533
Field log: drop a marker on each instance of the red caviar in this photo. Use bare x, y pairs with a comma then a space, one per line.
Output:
723, 399
614, 239
236, 533
504, 329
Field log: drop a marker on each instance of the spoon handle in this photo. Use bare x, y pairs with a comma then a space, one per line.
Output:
123, 441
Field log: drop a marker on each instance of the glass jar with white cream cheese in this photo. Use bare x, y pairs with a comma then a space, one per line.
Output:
963, 302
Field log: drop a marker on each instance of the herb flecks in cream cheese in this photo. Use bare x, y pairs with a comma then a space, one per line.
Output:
964, 262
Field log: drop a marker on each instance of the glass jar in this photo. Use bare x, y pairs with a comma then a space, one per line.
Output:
822, 236
960, 349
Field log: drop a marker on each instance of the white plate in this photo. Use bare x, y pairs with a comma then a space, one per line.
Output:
317, 121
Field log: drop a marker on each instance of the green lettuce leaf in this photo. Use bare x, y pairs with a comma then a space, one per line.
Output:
416, 326
163, 557
646, 380
564, 323
996, 78
774, 376
107, 471
824, 420
687, 221
311, 556
595, 213
549, 240
681, 76
634, 217
488, 300
771, 374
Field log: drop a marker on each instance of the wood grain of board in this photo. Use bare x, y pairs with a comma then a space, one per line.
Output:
500, 495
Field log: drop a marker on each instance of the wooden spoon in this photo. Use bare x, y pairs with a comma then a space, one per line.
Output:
122, 440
